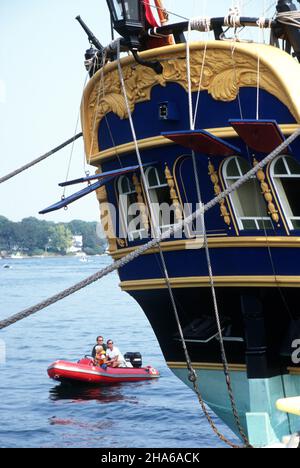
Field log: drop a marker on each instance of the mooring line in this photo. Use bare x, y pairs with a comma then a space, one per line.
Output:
40, 159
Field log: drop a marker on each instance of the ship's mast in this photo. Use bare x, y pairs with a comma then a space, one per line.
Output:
285, 28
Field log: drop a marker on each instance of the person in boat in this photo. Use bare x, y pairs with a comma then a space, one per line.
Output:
100, 358
100, 342
114, 356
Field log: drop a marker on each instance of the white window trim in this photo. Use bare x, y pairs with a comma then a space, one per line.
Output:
282, 196
152, 191
235, 178
124, 211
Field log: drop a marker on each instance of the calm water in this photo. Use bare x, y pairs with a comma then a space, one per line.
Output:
36, 412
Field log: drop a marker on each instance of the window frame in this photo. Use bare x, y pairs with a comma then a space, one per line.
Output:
283, 200
240, 219
153, 190
124, 211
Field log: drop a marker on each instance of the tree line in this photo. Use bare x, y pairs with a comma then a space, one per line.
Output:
34, 237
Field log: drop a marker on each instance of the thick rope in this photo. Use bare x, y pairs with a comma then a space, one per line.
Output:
210, 271
155, 227
40, 159
201, 24
233, 19
154, 242
289, 18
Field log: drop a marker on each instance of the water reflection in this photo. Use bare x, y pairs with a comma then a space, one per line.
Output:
81, 393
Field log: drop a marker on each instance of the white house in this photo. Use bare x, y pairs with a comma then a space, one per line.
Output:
77, 244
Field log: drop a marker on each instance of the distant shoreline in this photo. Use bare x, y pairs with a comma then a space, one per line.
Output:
28, 257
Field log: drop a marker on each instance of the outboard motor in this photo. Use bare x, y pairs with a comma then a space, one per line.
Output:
285, 31
135, 359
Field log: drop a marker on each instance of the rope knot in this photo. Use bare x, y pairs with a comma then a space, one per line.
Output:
201, 24
233, 19
193, 376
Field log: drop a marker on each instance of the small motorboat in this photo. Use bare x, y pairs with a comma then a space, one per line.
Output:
85, 371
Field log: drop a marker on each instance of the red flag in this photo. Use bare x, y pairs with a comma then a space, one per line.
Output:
150, 15
153, 15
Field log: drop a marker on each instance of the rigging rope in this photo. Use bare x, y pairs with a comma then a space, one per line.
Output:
209, 264
73, 144
155, 222
153, 243
289, 18
40, 159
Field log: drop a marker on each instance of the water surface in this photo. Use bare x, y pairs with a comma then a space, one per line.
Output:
37, 412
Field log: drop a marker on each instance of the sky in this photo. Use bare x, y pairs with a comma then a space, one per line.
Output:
41, 83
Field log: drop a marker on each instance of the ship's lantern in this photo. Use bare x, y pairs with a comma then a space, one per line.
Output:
128, 18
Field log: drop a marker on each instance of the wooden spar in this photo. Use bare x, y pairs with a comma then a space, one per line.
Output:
75, 196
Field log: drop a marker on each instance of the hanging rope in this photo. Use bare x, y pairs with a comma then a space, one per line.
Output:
157, 233
289, 18
154, 242
40, 159
201, 24
233, 19
209, 265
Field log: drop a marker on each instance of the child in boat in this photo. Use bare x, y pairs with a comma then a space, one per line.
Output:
100, 358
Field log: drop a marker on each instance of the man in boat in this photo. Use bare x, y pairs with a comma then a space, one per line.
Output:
114, 356
100, 342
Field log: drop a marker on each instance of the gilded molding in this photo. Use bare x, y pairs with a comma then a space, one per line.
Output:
220, 243
294, 370
141, 202
121, 242
173, 194
106, 219
217, 188
161, 142
224, 74
267, 193
219, 281
211, 366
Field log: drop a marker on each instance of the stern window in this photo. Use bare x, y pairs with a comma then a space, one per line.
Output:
159, 192
285, 172
248, 203
129, 211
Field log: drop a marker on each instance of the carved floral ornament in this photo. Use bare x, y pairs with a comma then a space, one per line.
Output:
224, 74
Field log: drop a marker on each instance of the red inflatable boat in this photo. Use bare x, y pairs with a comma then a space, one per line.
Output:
84, 371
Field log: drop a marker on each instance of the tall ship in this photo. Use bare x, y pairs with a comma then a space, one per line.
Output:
172, 121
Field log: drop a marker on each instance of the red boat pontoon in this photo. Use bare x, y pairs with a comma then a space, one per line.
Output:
85, 371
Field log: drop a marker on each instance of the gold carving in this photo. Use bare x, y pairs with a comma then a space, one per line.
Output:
224, 74
106, 219
141, 202
121, 243
173, 194
217, 188
273, 212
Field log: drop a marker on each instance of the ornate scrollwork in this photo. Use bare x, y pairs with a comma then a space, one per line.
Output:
121, 242
224, 74
217, 189
106, 218
141, 202
173, 194
267, 193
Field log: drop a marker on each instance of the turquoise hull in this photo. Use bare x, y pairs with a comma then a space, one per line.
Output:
256, 402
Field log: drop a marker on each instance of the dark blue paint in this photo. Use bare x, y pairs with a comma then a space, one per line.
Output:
212, 114
225, 262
